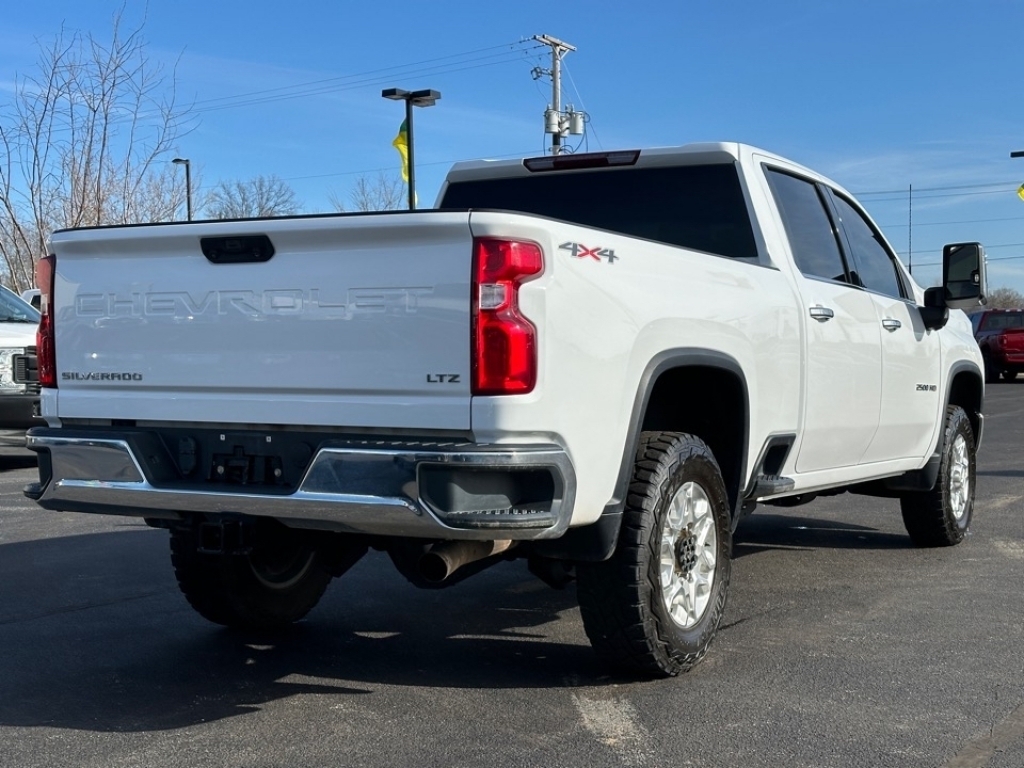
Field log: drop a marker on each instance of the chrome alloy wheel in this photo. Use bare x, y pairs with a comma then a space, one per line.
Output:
959, 477
689, 554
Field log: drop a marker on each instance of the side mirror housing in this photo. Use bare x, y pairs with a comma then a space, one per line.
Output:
964, 284
934, 313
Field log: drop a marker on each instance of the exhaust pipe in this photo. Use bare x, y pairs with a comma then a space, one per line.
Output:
442, 560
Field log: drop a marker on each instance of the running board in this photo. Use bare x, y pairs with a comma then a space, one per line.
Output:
771, 485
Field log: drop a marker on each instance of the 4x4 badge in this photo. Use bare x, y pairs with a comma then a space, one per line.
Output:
580, 251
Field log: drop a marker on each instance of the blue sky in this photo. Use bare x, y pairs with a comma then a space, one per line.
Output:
879, 94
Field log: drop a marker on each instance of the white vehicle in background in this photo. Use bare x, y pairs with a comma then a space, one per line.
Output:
19, 382
32, 296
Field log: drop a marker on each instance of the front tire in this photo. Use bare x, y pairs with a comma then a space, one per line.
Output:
275, 584
1009, 375
941, 516
655, 606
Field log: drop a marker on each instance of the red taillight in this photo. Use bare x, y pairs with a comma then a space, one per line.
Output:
46, 354
504, 342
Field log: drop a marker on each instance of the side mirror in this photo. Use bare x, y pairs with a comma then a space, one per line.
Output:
963, 275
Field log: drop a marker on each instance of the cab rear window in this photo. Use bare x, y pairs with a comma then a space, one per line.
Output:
701, 207
997, 321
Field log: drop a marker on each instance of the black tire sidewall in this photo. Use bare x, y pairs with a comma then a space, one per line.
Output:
958, 425
225, 589
690, 462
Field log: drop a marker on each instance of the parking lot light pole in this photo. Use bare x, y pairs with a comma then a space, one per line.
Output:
426, 98
188, 183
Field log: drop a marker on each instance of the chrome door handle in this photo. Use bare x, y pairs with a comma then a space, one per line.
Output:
822, 314
891, 325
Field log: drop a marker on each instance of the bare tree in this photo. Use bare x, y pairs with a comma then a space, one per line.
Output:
257, 198
1005, 298
384, 193
83, 142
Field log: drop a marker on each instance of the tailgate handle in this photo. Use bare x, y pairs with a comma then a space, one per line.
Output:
237, 249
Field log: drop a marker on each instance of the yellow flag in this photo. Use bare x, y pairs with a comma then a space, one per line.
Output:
401, 143
1020, 192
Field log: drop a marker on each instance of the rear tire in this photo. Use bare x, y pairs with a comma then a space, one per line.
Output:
655, 606
1009, 375
277, 583
940, 517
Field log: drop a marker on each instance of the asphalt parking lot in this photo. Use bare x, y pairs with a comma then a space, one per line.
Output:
842, 645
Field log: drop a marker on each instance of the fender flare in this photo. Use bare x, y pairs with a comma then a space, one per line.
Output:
596, 542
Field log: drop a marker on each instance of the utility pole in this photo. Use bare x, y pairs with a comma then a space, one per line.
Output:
910, 230
555, 122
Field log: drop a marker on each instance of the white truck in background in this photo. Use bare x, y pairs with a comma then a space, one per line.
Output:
19, 384
597, 362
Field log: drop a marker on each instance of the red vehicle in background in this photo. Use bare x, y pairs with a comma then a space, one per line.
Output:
1000, 334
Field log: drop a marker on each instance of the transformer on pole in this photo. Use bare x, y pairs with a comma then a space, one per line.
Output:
556, 122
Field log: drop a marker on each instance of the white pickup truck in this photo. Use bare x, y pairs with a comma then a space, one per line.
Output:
597, 362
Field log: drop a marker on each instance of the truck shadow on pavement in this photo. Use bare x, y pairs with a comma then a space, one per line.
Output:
764, 531
94, 635
16, 459
1002, 473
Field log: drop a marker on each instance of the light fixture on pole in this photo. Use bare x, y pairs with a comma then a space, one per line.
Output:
188, 183
412, 99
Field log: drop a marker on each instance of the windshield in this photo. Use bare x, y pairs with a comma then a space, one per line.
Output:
14, 310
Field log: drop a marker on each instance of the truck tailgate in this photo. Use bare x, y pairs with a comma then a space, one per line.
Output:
1013, 343
355, 321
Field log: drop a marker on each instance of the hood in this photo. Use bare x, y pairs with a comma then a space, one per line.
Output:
18, 334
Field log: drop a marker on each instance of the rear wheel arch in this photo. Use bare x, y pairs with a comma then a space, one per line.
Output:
694, 391
699, 392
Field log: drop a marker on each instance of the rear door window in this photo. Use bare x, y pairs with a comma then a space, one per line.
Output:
812, 235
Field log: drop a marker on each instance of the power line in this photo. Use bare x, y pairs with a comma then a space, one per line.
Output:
233, 102
515, 52
987, 248
1001, 258
887, 227
397, 70
1007, 187
936, 189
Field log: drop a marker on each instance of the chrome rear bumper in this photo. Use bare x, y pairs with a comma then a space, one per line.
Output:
428, 490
